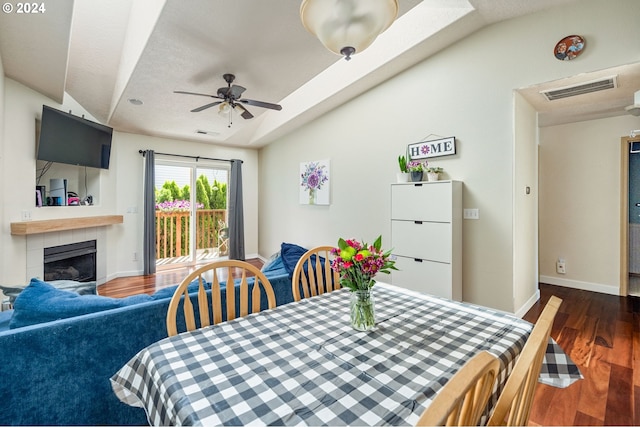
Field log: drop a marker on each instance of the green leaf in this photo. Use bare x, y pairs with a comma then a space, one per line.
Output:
342, 244
378, 243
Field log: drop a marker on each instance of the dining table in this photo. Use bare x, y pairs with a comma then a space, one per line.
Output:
303, 364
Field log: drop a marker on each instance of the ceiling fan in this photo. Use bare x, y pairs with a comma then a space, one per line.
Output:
230, 100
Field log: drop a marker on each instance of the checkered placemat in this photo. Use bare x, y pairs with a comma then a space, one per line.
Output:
302, 363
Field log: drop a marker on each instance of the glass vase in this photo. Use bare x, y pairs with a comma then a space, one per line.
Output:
362, 310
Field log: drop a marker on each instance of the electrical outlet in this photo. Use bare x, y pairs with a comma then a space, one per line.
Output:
26, 215
561, 267
135, 256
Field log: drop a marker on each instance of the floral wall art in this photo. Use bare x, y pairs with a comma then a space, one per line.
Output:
314, 183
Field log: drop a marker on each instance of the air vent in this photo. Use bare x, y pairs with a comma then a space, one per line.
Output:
581, 89
207, 132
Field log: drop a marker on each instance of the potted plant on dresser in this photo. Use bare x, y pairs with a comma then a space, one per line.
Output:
403, 175
433, 173
416, 169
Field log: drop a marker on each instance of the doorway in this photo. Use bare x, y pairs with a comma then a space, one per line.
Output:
630, 216
191, 213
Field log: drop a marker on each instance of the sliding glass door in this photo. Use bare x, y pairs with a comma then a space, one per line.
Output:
191, 212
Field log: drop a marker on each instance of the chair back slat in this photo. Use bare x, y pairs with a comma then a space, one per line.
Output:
231, 295
305, 288
514, 403
189, 315
243, 293
314, 285
203, 305
321, 285
216, 300
463, 399
313, 274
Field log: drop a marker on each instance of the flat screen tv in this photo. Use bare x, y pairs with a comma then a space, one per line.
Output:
65, 138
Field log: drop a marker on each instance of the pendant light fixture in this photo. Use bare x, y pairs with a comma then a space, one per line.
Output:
346, 27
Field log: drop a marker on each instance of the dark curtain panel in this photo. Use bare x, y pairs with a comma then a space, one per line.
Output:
149, 248
236, 212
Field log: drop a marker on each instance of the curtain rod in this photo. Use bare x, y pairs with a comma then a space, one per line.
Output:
143, 152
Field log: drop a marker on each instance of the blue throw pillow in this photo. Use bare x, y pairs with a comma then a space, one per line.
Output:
274, 265
290, 254
40, 302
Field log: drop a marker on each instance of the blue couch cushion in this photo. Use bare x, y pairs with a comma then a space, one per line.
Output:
40, 302
5, 318
290, 254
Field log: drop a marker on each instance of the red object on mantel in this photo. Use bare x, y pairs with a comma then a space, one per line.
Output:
73, 201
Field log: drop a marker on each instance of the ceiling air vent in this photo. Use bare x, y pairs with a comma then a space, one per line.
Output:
581, 89
207, 132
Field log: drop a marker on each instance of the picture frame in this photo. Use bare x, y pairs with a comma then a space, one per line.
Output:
315, 182
570, 47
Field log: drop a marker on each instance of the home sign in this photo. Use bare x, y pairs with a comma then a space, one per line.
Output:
433, 148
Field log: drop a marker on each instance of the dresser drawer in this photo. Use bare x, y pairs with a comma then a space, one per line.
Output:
426, 201
426, 240
423, 276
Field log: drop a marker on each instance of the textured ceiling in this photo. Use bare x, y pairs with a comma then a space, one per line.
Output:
105, 52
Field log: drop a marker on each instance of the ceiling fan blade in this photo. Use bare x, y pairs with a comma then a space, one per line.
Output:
261, 104
235, 91
194, 93
204, 107
245, 113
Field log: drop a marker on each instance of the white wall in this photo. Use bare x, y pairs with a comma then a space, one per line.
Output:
580, 202
525, 205
120, 186
464, 91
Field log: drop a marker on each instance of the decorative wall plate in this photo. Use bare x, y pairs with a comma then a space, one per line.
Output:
569, 47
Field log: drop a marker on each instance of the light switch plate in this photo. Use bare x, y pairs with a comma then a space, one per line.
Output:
471, 214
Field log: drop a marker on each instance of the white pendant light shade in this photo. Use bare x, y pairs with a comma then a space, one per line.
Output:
346, 27
224, 109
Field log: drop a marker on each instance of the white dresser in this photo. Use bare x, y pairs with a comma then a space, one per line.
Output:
426, 237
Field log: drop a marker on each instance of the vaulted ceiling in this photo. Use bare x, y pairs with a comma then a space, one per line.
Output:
104, 53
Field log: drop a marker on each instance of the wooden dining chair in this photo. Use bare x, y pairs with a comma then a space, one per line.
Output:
464, 397
514, 403
313, 274
233, 291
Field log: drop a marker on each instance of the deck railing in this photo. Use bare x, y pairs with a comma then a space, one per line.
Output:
172, 231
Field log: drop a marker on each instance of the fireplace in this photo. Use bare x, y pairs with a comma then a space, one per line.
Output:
75, 261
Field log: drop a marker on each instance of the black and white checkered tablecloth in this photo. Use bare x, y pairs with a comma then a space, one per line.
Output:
303, 364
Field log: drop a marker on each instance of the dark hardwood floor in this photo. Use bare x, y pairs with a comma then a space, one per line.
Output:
601, 333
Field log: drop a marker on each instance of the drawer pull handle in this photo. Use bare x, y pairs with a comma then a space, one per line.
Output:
417, 260
417, 222
417, 185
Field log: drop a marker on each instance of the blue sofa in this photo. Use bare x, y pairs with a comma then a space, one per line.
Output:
57, 372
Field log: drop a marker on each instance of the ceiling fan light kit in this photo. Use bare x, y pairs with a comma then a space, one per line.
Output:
230, 100
346, 27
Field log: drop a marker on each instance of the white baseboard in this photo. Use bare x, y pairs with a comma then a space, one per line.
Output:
585, 286
527, 305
